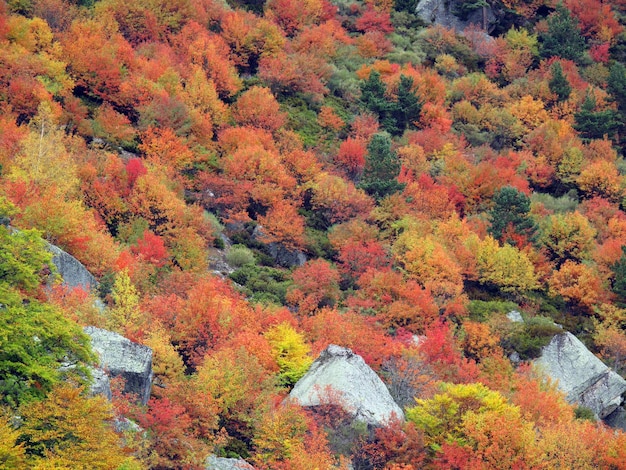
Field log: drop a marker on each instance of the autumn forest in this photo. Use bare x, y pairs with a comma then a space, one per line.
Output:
250, 181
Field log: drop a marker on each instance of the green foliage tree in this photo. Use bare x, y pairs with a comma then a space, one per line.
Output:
558, 83
382, 167
563, 38
38, 348
594, 124
408, 106
511, 210
22, 258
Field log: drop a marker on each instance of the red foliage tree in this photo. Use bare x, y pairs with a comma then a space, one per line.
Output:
315, 285
351, 156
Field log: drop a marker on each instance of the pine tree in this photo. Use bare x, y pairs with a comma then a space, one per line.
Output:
373, 98
596, 124
511, 209
382, 166
409, 107
617, 85
559, 84
563, 38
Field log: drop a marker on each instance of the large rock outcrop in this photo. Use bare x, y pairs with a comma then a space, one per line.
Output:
583, 377
120, 357
448, 13
285, 257
354, 386
214, 462
72, 271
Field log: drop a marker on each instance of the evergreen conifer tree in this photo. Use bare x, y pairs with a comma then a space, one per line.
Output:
382, 167
617, 85
563, 38
619, 282
408, 107
511, 208
373, 98
596, 124
559, 84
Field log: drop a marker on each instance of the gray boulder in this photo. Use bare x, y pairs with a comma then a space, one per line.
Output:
285, 257
447, 13
280, 253
583, 377
354, 385
515, 316
100, 384
120, 357
214, 462
72, 271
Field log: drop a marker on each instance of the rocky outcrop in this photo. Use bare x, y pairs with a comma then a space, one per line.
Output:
120, 357
285, 257
218, 463
448, 13
515, 316
72, 271
583, 377
340, 377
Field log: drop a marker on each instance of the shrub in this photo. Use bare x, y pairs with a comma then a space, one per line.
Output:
480, 310
240, 255
530, 337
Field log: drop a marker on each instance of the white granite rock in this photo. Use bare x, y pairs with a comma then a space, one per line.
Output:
119, 356
219, 463
354, 385
583, 377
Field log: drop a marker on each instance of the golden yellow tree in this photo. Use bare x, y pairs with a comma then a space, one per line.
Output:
69, 430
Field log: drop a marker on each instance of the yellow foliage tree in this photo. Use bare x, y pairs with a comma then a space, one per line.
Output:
505, 267
11, 453
290, 352
429, 263
44, 159
167, 365
68, 430
568, 236
125, 316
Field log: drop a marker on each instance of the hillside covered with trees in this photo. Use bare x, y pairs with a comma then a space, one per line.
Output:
433, 179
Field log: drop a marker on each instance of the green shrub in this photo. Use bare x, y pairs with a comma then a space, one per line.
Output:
559, 205
530, 337
240, 255
582, 412
480, 310
262, 284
